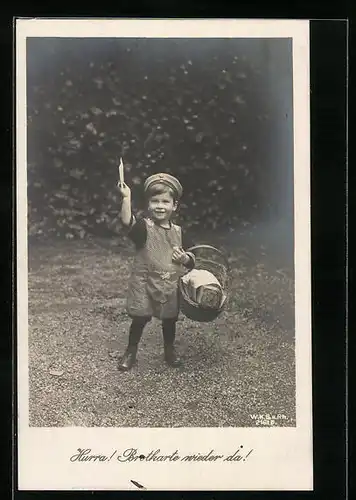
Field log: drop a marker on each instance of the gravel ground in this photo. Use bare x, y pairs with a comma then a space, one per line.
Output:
239, 365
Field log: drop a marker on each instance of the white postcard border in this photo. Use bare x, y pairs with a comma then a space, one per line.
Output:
282, 457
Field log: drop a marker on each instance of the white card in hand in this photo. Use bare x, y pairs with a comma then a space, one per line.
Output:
121, 172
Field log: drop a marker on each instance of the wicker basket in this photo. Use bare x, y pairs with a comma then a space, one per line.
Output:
213, 260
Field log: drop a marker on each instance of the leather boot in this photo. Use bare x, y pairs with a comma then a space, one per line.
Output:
171, 357
128, 359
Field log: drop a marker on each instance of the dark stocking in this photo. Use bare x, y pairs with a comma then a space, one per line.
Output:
136, 330
169, 333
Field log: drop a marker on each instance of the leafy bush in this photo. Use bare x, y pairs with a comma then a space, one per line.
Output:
201, 110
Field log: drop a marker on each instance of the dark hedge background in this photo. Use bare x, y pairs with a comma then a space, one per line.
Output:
215, 112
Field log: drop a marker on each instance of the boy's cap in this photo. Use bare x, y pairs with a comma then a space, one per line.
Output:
166, 179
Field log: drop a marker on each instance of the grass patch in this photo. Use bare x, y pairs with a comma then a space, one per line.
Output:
241, 364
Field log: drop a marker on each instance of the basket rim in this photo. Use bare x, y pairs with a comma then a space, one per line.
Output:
214, 249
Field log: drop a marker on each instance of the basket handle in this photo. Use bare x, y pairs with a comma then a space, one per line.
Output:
209, 247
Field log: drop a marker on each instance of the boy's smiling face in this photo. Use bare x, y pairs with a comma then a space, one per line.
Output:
162, 206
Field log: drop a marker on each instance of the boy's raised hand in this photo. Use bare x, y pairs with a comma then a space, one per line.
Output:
124, 189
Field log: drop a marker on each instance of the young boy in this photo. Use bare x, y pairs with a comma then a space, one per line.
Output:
159, 263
